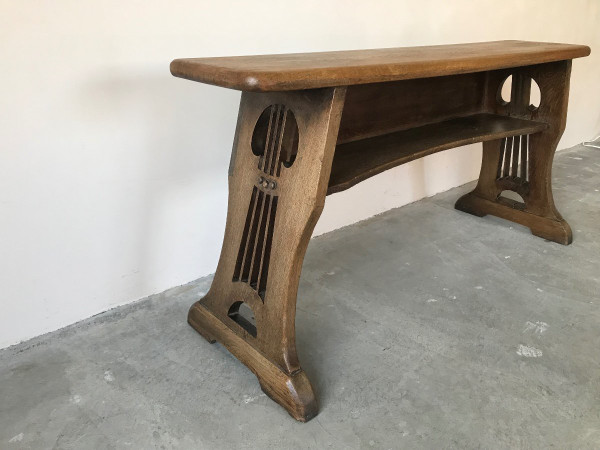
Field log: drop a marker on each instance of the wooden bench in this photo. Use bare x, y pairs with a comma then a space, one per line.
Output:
313, 124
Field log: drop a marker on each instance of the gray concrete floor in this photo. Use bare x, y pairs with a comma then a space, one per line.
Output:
423, 327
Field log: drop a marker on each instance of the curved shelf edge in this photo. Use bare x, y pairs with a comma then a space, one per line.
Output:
356, 161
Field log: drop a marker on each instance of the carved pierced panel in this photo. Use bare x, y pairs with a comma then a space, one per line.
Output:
275, 142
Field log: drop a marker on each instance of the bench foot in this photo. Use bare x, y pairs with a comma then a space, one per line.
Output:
293, 391
195, 322
556, 230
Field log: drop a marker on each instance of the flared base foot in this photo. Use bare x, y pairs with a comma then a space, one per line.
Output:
556, 230
293, 391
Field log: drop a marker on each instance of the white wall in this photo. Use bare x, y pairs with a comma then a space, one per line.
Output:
113, 174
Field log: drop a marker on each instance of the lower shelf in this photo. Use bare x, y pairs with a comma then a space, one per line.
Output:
356, 161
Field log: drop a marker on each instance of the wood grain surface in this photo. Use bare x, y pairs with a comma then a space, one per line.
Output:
343, 68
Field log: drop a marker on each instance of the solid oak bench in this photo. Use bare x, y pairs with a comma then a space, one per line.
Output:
313, 124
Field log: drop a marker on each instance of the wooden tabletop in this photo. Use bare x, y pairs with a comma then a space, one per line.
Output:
325, 69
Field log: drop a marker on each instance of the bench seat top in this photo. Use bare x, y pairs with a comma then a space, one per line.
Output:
296, 71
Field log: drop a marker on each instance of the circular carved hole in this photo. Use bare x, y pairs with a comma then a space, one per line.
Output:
512, 195
242, 314
275, 138
505, 91
535, 97
259, 136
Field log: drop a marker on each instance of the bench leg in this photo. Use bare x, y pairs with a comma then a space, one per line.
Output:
278, 178
523, 164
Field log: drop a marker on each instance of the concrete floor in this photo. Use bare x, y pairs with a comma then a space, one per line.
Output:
421, 328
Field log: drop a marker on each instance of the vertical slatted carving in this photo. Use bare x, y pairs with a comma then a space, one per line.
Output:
514, 159
275, 142
513, 165
252, 265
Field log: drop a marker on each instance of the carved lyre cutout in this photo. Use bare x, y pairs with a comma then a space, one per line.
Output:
275, 142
